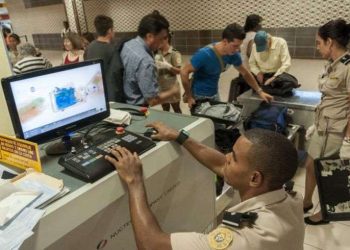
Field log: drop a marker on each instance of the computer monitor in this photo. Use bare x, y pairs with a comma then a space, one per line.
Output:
52, 103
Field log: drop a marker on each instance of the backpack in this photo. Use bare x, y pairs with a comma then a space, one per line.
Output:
115, 74
283, 85
269, 117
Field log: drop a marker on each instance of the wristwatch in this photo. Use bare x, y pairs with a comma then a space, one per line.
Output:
183, 136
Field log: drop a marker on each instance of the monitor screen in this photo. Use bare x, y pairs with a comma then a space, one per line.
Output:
50, 103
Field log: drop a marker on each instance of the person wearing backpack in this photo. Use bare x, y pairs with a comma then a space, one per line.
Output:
209, 62
140, 81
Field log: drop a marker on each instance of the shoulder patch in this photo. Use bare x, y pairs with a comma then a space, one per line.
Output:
175, 49
220, 238
345, 59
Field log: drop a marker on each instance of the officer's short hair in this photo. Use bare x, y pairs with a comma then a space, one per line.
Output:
273, 155
103, 24
152, 23
233, 31
337, 30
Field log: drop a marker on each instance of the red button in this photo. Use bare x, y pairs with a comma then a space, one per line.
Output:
143, 109
120, 130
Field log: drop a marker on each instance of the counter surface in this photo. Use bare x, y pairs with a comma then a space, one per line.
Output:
92, 211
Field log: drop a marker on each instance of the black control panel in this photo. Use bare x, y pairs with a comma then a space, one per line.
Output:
88, 162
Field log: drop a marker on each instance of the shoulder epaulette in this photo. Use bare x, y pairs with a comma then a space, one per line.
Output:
175, 50
345, 59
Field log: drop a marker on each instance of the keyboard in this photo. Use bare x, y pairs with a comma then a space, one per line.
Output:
89, 163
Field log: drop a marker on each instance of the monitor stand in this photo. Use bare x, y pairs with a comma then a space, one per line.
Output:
64, 146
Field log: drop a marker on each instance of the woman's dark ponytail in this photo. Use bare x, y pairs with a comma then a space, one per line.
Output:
337, 30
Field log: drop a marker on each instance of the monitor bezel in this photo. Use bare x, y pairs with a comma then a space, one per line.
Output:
60, 131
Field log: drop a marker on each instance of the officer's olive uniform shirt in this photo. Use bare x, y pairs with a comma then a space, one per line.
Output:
275, 60
334, 85
280, 225
166, 78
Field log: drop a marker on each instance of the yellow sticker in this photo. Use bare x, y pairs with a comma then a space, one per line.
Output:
220, 238
19, 153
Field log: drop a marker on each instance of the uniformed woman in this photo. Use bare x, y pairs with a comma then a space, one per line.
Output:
168, 62
331, 130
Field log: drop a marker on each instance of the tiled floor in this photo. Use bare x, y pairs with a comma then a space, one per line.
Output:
334, 236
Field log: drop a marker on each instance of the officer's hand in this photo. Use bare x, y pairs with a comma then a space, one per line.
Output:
164, 133
266, 97
309, 132
163, 65
260, 77
128, 165
269, 81
345, 151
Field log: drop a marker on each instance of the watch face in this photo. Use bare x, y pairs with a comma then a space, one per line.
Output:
182, 136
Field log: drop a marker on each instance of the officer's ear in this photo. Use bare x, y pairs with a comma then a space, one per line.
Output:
329, 42
256, 179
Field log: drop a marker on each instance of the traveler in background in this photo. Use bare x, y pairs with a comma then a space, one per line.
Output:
140, 72
72, 46
86, 39
6, 33
260, 162
269, 57
330, 133
65, 30
168, 62
209, 62
30, 61
13, 42
102, 48
251, 26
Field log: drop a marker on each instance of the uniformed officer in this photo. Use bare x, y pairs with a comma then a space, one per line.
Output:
168, 61
331, 131
260, 163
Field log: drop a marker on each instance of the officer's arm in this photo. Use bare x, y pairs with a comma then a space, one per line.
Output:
162, 97
209, 157
347, 133
148, 234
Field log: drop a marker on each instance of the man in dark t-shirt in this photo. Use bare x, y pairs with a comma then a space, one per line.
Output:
102, 48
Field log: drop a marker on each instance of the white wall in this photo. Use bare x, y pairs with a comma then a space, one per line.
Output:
47, 19
216, 14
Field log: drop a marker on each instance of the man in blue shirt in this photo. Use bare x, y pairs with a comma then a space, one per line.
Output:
140, 72
208, 63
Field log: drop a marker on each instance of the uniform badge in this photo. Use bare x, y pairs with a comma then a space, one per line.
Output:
220, 238
178, 60
345, 59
